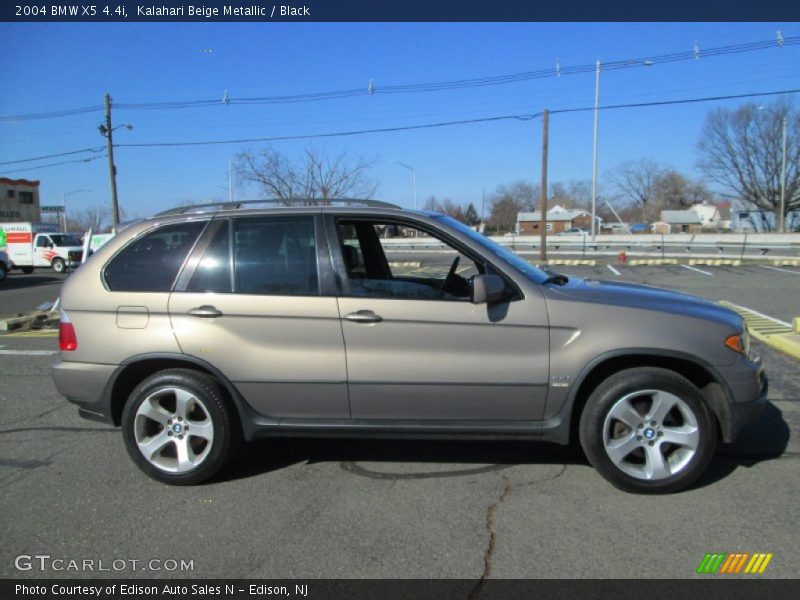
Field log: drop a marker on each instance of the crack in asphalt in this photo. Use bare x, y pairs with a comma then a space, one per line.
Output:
33, 418
488, 556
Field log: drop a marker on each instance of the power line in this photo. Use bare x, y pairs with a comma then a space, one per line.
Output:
519, 117
65, 162
421, 87
468, 83
683, 101
522, 117
335, 134
46, 156
52, 114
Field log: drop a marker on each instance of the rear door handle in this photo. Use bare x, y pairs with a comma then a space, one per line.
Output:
364, 316
206, 312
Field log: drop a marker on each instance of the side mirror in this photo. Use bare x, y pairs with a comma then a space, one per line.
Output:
487, 289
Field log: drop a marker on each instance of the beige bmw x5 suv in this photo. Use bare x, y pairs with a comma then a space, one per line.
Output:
204, 326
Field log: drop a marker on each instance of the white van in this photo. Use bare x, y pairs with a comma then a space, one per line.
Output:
31, 245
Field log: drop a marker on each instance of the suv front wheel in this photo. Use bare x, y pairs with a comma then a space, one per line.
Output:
178, 428
648, 430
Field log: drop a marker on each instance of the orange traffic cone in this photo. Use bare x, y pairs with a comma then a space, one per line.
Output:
622, 256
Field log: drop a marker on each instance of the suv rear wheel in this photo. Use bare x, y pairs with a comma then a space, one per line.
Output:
178, 428
648, 430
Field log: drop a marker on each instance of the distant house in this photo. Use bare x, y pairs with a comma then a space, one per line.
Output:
694, 219
762, 221
558, 219
660, 227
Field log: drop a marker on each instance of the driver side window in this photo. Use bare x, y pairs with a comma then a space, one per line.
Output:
393, 260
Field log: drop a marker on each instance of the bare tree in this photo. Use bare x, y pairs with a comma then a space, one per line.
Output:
675, 191
508, 201
446, 207
96, 217
637, 182
742, 150
315, 176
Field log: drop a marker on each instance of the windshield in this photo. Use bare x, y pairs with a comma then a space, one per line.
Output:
496, 249
60, 239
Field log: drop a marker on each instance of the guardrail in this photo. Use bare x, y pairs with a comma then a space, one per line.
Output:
718, 244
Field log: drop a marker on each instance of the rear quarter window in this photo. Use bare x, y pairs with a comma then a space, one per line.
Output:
152, 262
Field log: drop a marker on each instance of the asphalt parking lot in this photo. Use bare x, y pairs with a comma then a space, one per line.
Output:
371, 509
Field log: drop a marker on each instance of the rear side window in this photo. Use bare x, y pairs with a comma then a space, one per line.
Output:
275, 256
151, 263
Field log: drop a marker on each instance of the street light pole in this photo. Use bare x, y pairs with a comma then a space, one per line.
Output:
64, 203
781, 227
106, 130
594, 153
413, 178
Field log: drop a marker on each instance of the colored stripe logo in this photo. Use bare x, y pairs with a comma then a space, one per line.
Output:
721, 563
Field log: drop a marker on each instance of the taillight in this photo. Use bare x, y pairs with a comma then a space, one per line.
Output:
67, 340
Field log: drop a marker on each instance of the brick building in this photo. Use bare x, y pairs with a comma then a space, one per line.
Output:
558, 219
19, 200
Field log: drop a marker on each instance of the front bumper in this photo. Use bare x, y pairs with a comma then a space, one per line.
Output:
748, 385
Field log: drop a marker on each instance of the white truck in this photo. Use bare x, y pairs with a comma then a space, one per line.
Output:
31, 245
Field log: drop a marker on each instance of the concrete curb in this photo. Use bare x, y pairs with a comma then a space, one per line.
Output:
407, 263
786, 263
771, 331
559, 261
31, 320
788, 343
716, 262
652, 261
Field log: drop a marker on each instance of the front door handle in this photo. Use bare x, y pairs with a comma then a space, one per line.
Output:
206, 312
364, 316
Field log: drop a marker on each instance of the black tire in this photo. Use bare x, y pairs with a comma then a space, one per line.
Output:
646, 461
27, 270
208, 399
58, 264
3, 271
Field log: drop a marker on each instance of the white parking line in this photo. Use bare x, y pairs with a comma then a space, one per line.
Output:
613, 270
29, 352
779, 269
698, 270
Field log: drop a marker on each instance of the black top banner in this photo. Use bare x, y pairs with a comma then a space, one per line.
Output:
89, 11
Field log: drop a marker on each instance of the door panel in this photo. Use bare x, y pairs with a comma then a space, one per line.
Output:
447, 360
283, 353
417, 348
251, 306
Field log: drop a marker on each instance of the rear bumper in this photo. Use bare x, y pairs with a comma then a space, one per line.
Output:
84, 385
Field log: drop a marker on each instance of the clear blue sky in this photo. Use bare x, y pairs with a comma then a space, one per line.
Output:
48, 67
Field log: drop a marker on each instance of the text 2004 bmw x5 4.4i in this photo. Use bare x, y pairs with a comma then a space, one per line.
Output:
203, 326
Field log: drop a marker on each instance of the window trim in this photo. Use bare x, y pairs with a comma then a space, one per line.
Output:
189, 267
206, 222
340, 271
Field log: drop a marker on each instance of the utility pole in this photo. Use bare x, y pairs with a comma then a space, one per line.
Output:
594, 153
543, 191
112, 170
781, 226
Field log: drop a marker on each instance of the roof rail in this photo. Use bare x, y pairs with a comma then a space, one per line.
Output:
217, 206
